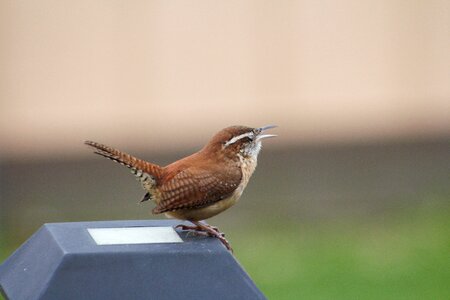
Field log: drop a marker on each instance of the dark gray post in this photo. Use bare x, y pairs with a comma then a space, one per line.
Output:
123, 260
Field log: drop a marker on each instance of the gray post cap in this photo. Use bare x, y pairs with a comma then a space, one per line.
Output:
66, 261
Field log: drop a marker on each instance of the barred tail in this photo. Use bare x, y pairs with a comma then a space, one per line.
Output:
140, 168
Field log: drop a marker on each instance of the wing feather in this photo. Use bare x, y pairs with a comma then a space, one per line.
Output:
196, 188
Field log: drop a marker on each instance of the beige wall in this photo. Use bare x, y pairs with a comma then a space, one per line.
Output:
167, 74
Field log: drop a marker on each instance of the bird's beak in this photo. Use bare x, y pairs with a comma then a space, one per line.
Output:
265, 136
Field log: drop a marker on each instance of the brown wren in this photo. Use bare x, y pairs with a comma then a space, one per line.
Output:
201, 185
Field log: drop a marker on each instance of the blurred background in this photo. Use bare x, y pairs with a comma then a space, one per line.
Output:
351, 201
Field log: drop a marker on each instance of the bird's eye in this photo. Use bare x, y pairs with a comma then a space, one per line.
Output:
256, 131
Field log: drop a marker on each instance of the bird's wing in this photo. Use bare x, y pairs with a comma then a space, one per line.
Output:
196, 188
146, 173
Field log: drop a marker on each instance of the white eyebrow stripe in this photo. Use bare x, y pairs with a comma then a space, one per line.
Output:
237, 138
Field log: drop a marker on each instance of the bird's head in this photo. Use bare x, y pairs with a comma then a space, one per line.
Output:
239, 140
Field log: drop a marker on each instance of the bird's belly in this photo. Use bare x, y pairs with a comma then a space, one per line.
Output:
197, 214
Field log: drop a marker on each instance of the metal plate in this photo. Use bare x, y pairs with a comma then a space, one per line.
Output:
134, 235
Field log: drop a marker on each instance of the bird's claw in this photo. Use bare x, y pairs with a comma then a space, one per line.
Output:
206, 230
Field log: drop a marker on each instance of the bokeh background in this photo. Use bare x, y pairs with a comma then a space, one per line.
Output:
351, 201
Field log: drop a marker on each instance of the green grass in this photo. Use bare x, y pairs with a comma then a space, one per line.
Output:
4, 247
4, 252
398, 257
401, 256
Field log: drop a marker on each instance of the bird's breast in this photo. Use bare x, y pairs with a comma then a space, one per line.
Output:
248, 166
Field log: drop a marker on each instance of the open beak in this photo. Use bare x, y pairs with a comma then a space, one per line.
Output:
264, 136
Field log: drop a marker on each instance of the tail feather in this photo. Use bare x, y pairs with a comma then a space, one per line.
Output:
140, 168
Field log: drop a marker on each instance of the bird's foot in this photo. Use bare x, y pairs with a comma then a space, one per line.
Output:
200, 230
194, 230
206, 230
187, 227
216, 229
214, 232
221, 237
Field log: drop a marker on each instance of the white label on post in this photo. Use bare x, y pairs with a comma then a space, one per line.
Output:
134, 235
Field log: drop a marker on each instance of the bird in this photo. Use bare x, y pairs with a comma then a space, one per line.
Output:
201, 185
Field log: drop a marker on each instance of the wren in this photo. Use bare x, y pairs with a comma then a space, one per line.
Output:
201, 185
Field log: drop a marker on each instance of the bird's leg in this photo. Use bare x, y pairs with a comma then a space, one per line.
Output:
214, 232
195, 230
187, 227
199, 229
215, 228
